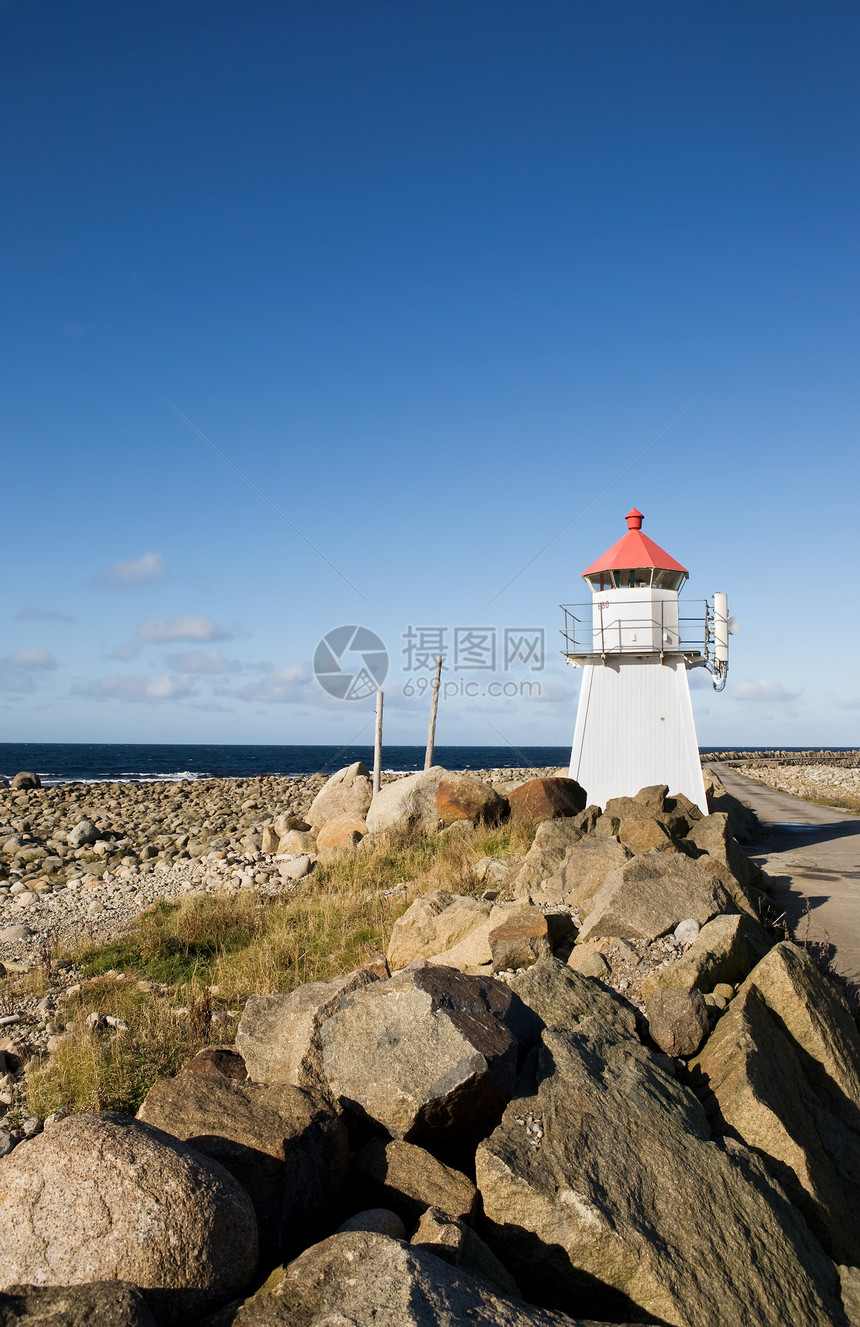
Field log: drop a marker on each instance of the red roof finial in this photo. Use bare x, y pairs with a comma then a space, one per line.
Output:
634, 519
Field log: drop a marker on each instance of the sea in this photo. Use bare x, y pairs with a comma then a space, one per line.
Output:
148, 762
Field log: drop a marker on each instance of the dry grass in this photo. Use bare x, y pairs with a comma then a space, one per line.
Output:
203, 957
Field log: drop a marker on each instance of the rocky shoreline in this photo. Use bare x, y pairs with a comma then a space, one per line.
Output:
588, 1082
79, 862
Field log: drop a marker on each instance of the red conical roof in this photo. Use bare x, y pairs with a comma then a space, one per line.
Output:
634, 550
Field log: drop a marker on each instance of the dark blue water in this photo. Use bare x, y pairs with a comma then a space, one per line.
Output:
64, 762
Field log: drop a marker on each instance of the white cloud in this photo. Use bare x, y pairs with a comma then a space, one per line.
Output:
767, 690
150, 690
289, 684
164, 630
196, 661
42, 615
145, 570
31, 660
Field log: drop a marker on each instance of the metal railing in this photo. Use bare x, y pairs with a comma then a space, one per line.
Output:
688, 634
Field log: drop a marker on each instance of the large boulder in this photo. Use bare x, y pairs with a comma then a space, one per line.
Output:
287, 1148
99, 1304
584, 870
558, 996
604, 1193
552, 841
104, 1197
545, 799
437, 923
349, 792
713, 835
649, 895
279, 1035
407, 804
427, 1051
459, 797
765, 1097
783, 1066
26, 781
341, 833
816, 1018
367, 1280
409, 1180
724, 950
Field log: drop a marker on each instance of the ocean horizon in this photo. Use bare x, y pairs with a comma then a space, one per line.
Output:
145, 762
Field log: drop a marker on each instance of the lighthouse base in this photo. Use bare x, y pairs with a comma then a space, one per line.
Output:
634, 728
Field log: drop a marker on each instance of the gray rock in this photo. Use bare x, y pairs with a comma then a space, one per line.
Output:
286, 1148
557, 996
724, 950
407, 803
83, 834
102, 1197
410, 1180
279, 1035
376, 1220
366, 1280
456, 1243
442, 1037
26, 781
99, 1304
436, 923
621, 1205
15, 933
785, 1104
552, 842
677, 1020
644, 898
583, 872
686, 931
349, 792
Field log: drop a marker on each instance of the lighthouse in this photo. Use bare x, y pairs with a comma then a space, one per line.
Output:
635, 642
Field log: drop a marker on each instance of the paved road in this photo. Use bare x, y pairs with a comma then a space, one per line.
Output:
812, 853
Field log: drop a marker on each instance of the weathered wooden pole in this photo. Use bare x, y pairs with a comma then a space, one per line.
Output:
377, 745
431, 731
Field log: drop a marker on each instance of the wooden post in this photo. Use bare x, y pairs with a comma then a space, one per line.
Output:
431, 731
377, 745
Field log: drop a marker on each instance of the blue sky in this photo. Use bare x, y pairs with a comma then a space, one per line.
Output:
429, 274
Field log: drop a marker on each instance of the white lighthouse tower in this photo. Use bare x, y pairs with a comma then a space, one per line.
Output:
634, 724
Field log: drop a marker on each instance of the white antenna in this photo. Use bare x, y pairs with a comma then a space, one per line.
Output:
724, 626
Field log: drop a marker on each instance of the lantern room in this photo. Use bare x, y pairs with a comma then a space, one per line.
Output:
635, 562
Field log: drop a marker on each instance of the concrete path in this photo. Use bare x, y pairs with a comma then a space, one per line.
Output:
812, 854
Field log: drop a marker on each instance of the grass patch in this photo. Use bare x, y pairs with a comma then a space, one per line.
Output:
204, 956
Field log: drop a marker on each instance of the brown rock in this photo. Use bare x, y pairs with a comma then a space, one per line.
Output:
104, 1197
644, 834
546, 799
221, 1060
285, 1147
588, 960
552, 842
409, 1180
279, 1035
653, 797
677, 1020
342, 832
283, 823
442, 1037
297, 841
462, 798
519, 939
